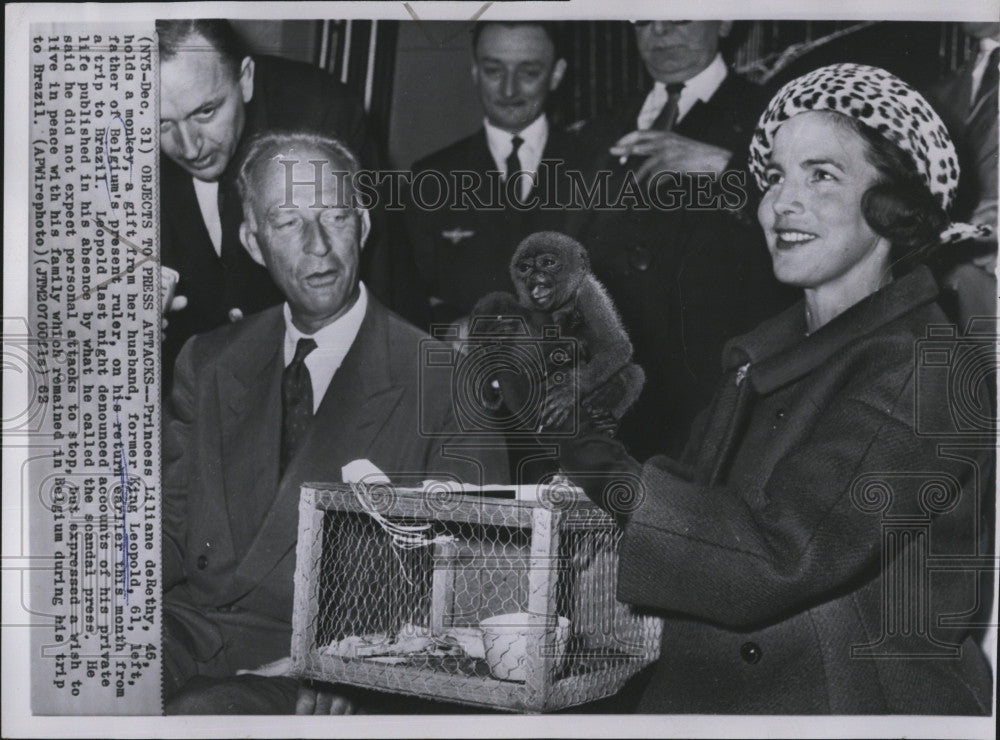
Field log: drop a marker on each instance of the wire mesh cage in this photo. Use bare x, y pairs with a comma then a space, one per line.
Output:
497, 598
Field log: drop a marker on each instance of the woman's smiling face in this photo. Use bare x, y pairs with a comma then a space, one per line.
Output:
811, 212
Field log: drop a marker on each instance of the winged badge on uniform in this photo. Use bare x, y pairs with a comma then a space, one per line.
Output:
457, 234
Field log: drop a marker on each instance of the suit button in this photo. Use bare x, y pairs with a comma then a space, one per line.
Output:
750, 652
640, 258
202, 562
779, 415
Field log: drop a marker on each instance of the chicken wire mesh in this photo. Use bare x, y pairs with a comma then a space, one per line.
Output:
468, 598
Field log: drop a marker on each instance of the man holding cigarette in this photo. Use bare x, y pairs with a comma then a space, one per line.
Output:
690, 271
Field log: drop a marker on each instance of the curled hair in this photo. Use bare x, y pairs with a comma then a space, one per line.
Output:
275, 143
174, 36
899, 206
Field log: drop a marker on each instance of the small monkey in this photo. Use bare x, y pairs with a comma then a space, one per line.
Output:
551, 273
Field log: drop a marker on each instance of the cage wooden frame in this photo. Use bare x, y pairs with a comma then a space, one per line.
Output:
547, 518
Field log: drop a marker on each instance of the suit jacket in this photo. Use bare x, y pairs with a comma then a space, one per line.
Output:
684, 280
775, 548
222, 437
972, 291
974, 130
287, 96
463, 254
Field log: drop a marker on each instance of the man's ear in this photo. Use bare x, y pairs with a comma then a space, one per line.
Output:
557, 74
249, 239
246, 79
725, 27
366, 226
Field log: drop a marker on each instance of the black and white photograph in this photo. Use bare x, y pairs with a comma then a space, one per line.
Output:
500, 369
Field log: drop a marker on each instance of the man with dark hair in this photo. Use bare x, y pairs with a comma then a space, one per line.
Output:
295, 393
685, 274
213, 97
462, 251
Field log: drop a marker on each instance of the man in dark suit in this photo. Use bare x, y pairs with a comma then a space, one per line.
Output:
967, 102
289, 395
685, 278
462, 253
213, 98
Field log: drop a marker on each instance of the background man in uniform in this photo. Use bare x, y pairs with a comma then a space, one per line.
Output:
291, 394
213, 97
463, 254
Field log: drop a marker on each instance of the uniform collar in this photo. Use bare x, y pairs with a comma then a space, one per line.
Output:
534, 135
779, 351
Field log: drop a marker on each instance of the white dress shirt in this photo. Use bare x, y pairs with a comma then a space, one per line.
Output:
700, 87
332, 343
501, 143
207, 194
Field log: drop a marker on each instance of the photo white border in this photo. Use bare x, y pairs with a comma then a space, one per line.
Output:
16, 717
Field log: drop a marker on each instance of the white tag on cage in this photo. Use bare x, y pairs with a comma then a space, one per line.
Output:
362, 471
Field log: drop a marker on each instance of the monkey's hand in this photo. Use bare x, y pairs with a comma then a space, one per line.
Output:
559, 401
597, 421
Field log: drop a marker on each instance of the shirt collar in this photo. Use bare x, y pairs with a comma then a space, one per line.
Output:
987, 45
700, 87
534, 135
333, 340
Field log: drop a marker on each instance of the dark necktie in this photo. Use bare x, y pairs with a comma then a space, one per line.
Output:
296, 401
513, 161
667, 118
991, 77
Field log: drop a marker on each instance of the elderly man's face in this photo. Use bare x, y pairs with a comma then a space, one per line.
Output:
202, 109
313, 249
675, 51
515, 69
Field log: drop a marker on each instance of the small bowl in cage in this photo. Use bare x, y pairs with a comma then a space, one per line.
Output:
505, 640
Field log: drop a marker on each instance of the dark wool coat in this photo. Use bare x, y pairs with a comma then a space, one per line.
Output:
769, 548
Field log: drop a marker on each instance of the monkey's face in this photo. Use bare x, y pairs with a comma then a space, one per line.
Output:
542, 281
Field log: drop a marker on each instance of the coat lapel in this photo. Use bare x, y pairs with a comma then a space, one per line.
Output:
778, 353
358, 403
249, 388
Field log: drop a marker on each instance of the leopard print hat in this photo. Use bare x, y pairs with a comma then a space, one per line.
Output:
887, 105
